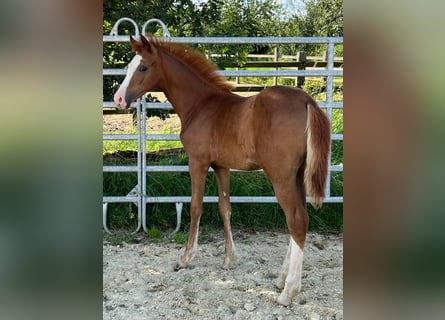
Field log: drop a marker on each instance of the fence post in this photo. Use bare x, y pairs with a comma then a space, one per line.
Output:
325, 59
275, 59
301, 59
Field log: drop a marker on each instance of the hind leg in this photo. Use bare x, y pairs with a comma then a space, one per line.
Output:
284, 269
292, 285
291, 196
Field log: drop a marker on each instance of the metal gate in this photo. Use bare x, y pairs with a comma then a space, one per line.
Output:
139, 194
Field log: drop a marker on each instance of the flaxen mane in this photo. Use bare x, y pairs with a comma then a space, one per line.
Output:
196, 61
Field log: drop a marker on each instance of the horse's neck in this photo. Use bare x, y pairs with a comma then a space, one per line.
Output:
183, 88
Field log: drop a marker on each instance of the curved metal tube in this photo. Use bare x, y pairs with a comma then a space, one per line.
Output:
165, 31
115, 29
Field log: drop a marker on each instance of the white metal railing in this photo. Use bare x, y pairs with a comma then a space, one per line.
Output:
139, 195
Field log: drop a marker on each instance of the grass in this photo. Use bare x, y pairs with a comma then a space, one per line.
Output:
180, 237
111, 146
154, 233
161, 217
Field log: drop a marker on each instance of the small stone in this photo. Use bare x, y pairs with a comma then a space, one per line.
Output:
270, 275
241, 315
318, 245
315, 316
189, 292
301, 300
233, 308
262, 260
249, 307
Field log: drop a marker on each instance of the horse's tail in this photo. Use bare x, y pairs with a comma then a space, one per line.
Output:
318, 143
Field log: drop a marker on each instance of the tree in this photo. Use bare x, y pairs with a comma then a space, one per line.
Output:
323, 18
250, 18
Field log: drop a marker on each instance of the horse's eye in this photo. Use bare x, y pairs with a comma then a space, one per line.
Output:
142, 68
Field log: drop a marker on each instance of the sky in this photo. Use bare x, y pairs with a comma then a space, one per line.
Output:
292, 5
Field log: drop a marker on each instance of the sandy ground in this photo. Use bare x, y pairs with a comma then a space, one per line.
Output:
117, 123
139, 281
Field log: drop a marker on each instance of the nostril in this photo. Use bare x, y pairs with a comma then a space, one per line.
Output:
118, 99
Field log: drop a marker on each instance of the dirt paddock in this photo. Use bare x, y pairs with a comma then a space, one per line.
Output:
139, 281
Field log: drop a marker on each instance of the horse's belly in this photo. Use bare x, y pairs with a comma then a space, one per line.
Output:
237, 165
239, 160
249, 166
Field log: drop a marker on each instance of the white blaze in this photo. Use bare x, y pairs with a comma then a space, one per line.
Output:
119, 96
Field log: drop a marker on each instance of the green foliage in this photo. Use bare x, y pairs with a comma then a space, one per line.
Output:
257, 216
119, 238
154, 233
253, 18
323, 18
180, 237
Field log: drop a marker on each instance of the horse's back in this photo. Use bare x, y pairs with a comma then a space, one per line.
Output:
282, 99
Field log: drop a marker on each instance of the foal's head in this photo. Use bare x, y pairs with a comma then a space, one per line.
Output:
143, 73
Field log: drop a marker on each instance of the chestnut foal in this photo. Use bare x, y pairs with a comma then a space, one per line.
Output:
281, 130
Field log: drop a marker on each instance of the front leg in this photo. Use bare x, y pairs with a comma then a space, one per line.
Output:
198, 173
223, 181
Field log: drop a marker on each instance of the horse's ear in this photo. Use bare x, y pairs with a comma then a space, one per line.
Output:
136, 45
147, 45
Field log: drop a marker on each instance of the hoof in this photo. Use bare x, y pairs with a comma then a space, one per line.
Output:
228, 263
284, 300
280, 284
179, 266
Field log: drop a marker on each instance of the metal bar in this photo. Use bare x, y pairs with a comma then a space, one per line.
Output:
165, 31
234, 199
119, 136
254, 73
185, 168
104, 217
111, 104
162, 137
329, 98
281, 73
176, 137
336, 168
140, 203
235, 40
179, 206
115, 29
120, 199
168, 105
143, 172
120, 169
